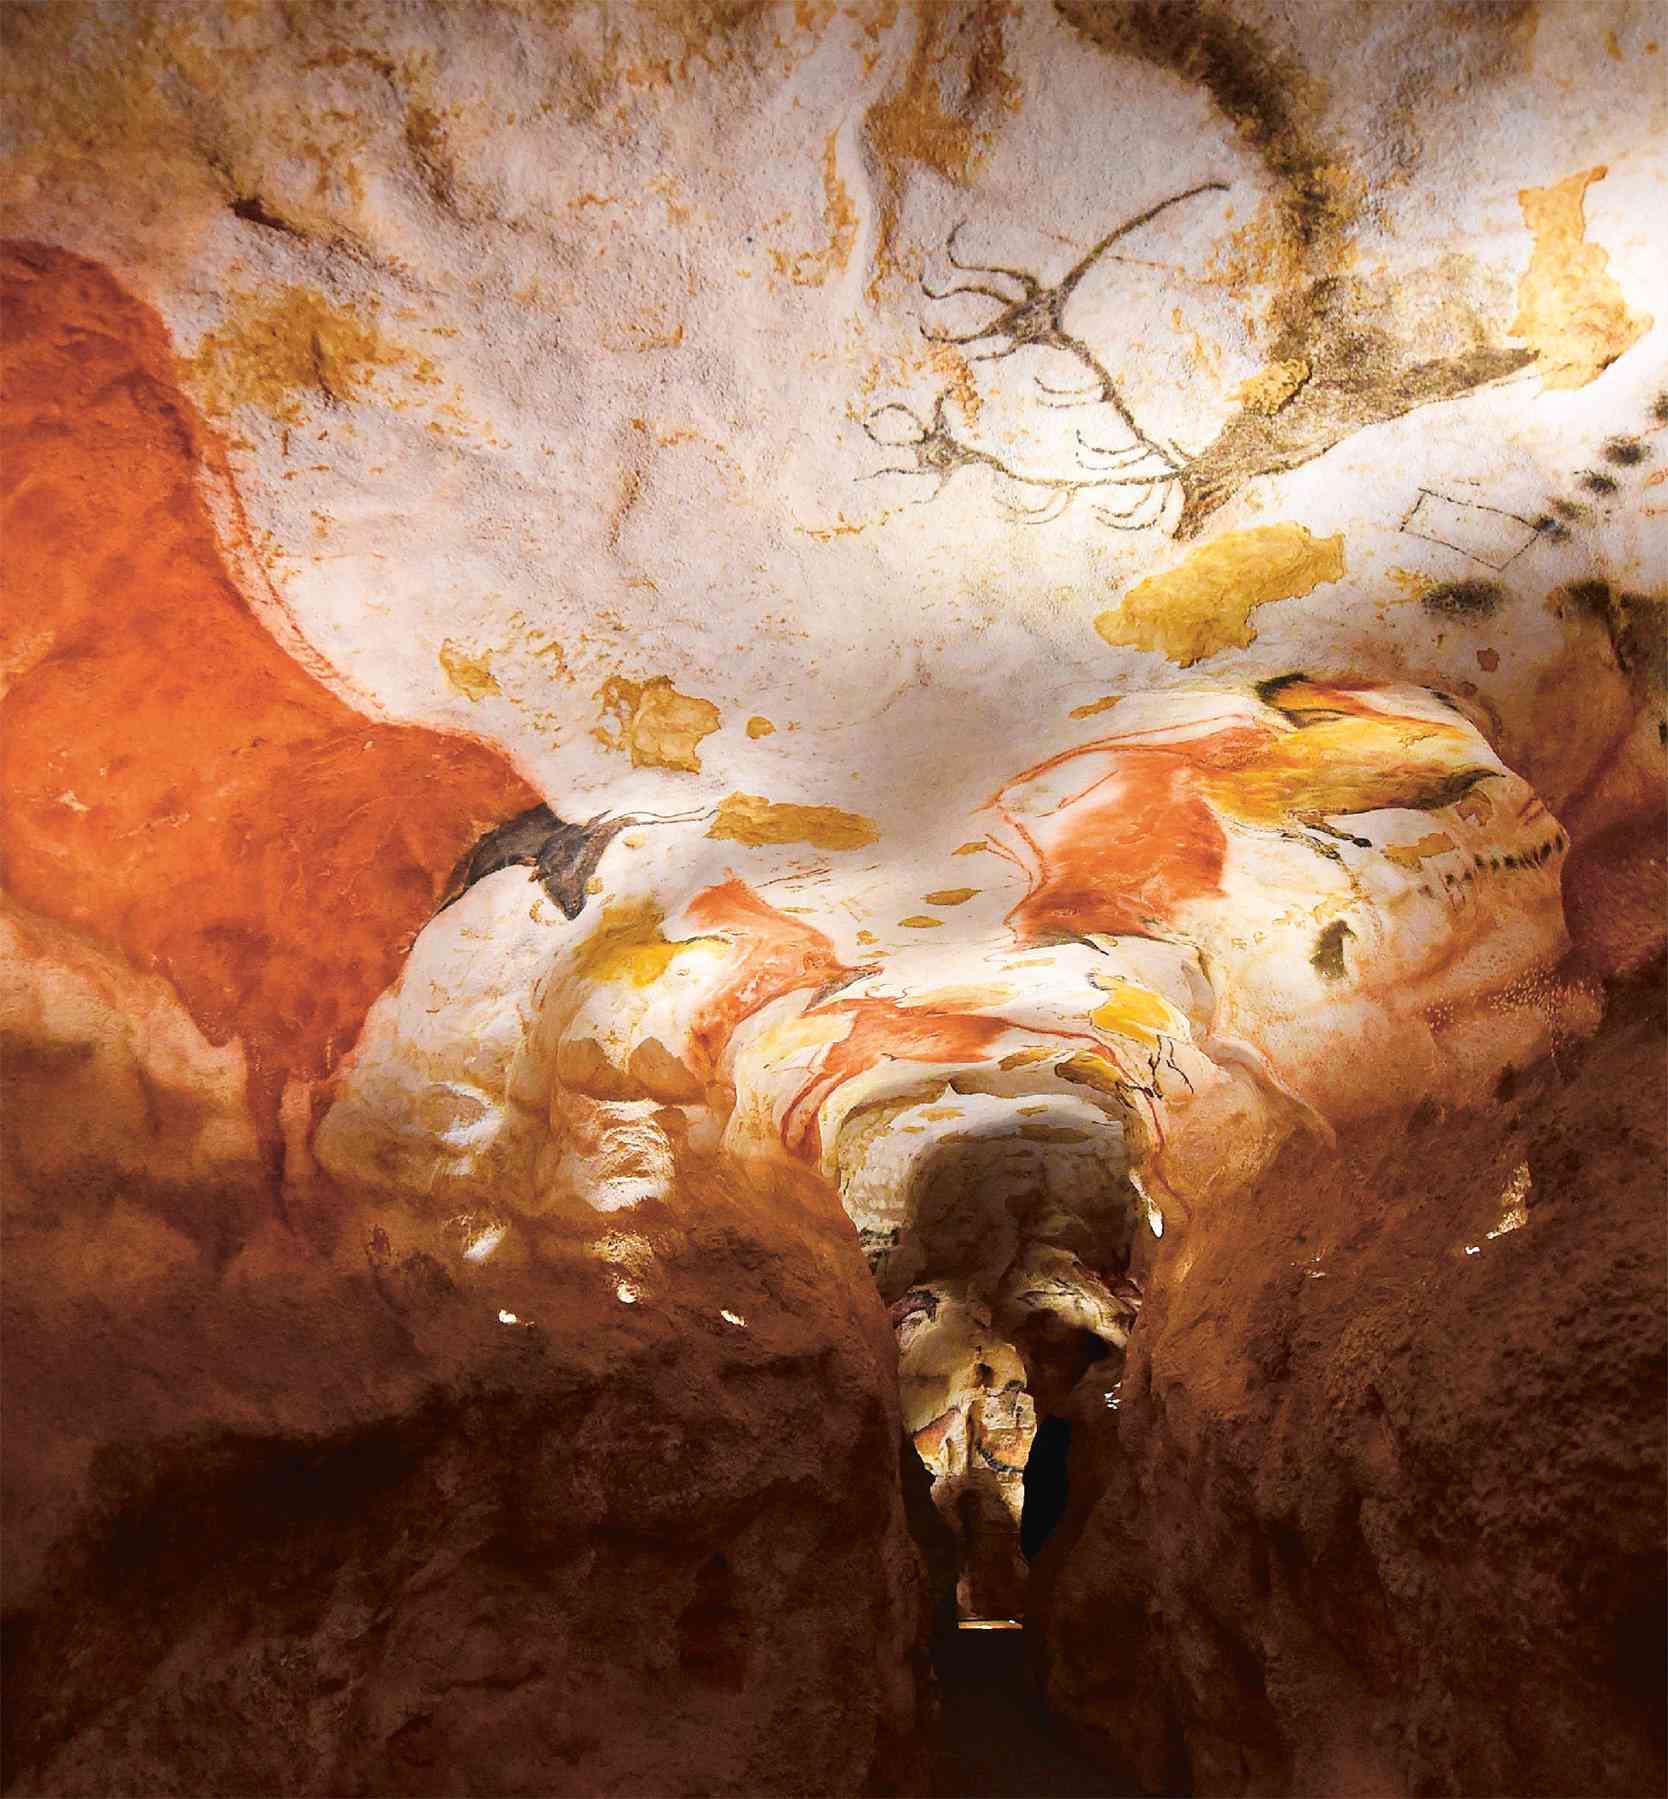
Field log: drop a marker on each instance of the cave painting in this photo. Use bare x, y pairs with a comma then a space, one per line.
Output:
1134, 833
1341, 361
738, 734
1198, 905
1375, 840
564, 857
181, 787
1141, 826
1139, 470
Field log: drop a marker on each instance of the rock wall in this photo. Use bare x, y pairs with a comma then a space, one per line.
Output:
1380, 1506
350, 1529
292, 1502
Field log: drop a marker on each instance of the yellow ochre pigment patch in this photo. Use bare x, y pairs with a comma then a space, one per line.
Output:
1411, 855
628, 946
967, 997
277, 350
1087, 1069
658, 725
811, 268
1570, 310
751, 819
1135, 1012
1205, 604
1272, 387
471, 676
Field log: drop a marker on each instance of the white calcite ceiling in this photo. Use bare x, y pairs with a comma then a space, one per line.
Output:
549, 343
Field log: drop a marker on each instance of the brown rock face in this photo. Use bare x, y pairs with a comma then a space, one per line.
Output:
405, 1548
1379, 1509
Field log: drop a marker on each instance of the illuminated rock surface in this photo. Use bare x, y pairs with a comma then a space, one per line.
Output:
1379, 1507
741, 733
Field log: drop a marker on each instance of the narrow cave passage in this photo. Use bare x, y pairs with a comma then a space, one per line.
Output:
995, 1737
1047, 1481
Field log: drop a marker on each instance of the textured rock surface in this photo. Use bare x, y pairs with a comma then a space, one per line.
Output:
1380, 1507
340, 1529
662, 658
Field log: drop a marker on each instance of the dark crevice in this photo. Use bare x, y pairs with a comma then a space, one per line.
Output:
995, 1738
1047, 1474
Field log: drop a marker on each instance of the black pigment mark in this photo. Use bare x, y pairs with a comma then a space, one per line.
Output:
1591, 598
1479, 519
1465, 599
1640, 635
1626, 452
1327, 958
1266, 691
1371, 355
1142, 468
838, 983
1268, 97
938, 452
1636, 626
1036, 318
1409, 786
1621, 452
934, 447
993, 1462
255, 210
563, 856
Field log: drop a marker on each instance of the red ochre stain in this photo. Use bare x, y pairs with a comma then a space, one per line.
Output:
1136, 850
779, 954
229, 822
1132, 847
884, 1029
782, 954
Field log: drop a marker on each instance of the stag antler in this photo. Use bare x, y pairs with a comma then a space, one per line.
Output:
1035, 319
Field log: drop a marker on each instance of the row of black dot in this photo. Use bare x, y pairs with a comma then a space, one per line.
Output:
1478, 599
1527, 858
1619, 452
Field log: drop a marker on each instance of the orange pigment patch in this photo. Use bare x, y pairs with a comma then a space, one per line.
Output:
234, 826
1135, 845
1139, 846
779, 955
885, 1029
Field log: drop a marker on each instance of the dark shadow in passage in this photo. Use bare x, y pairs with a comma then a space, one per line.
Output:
1047, 1471
995, 1740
